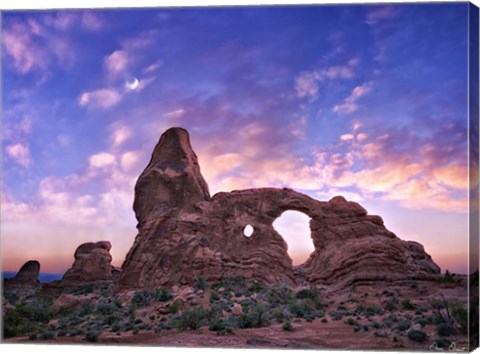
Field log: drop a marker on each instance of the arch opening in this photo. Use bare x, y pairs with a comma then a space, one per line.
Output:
294, 227
248, 230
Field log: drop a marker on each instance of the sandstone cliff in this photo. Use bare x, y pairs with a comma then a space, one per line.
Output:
183, 234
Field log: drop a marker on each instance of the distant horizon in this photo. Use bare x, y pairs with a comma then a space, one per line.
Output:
365, 101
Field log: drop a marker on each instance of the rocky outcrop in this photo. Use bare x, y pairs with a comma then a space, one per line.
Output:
26, 277
184, 234
92, 264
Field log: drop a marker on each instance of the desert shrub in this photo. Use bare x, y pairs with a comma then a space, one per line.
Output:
23, 318
422, 321
216, 325
11, 296
442, 343
174, 307
141, 298
255, 287
460, 314
214, 297
278, 314
403, 325
92, 336
447, 277
445, 330
32, 336
83, 289
376, 325
85, 309
417, 336
380, 334
366, 328
162, 295
369, 310
190, 319
338, 315
116, 327
105, 308
287, 326
324, 320
257, 316
278, 294
200, 284
47, 335
391, 304
117, 303
62, 333
350, 321
407, 304
310, 293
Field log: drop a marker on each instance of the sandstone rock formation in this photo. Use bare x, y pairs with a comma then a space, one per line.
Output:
26, 277
184, 234
92, 264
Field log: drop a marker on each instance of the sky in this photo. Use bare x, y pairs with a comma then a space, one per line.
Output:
364, 101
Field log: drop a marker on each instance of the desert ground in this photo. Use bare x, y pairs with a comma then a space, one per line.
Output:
408, 315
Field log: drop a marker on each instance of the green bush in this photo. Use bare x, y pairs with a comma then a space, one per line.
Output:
141, 298
403, 325
92, 336
417, 336
24, 318
287, 326
255, 317
460, 314
190, 319
48, 335
201, 284
163, 295
350, 321
445, 330
174, 307
216, 325
407, 304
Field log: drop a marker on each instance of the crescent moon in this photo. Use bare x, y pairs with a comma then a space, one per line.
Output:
133, 84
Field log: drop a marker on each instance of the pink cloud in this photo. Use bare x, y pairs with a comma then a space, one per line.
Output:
380, 13
117, 62
19, 46
102, 98
91, 21
101, 160
307, 83
350, 105
20, 153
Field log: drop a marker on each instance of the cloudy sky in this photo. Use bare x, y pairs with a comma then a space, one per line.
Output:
363, 101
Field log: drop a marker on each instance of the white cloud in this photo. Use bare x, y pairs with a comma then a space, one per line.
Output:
152, 67
174, 114
102, 159
20, 153
102, 98
350, 105
346, 137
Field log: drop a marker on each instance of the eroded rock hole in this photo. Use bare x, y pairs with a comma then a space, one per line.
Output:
248, 230
294, 227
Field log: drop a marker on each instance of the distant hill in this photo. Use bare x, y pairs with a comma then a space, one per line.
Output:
43, 277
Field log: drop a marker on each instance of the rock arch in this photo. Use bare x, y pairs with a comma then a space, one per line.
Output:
184, 234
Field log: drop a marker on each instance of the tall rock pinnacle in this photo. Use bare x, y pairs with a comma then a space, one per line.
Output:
172, 179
